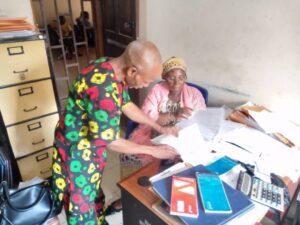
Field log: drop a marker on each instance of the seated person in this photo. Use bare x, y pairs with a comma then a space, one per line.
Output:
66, 31
84, 22
167, 102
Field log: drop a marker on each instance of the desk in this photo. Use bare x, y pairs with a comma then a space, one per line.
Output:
137, 201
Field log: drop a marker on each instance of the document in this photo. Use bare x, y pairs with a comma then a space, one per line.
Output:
274, 123
269, 154
252, 216
190, 145
254, 141
209, 121
177, 168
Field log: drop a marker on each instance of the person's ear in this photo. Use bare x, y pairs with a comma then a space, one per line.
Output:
132, 71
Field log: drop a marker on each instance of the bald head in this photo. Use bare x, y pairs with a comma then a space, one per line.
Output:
143, 62
143, 54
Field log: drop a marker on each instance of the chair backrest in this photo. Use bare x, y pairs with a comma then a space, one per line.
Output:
203, 91
130, 126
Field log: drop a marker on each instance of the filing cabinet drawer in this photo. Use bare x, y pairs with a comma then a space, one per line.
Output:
32, 136
36, 165
27, 101
23, 61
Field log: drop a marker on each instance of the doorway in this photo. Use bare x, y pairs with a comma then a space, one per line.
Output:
117, 20
78, 31
119, 25
68, 27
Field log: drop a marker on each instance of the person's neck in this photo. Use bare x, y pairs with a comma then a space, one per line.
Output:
174, 95
119, 66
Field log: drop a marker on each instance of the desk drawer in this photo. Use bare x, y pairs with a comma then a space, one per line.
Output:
36, 165
135, 213
27, 101
23, 61
32, 136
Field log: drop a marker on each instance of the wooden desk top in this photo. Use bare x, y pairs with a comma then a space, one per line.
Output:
143, 194
147, 197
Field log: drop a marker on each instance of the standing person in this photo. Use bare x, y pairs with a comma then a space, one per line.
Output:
90, 126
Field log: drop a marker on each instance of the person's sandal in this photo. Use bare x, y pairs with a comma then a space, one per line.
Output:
111, 209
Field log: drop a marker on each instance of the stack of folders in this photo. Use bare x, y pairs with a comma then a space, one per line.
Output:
15, 28
199, 197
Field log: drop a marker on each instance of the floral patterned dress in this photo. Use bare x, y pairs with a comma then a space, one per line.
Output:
90, 122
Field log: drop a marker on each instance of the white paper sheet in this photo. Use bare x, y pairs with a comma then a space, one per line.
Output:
254, 141
252, 216
208, 120
189, 144
275, 123
177, 168
269, 154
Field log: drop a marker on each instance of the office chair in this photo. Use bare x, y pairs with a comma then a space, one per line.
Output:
131, 125
203, 91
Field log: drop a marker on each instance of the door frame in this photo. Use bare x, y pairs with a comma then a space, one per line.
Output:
98, 25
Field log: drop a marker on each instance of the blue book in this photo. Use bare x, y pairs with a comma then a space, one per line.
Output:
238, 201
221, 166
212, 192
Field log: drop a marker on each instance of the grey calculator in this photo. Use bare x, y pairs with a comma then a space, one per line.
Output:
261, 191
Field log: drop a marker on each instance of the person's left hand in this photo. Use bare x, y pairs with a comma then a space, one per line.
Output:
171, 130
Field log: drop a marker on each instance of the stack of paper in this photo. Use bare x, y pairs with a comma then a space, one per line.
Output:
274, 123
269, 154
209, 122
189, 144
15, 27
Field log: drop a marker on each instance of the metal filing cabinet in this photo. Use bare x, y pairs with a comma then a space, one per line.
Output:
28, 105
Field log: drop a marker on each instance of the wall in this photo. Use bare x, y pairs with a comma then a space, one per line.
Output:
63, 9
16, 8
238, 50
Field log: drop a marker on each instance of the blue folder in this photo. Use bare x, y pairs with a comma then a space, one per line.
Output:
238, 201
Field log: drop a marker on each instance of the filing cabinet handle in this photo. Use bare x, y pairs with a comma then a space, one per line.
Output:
34, 126
45, 171
38, 142
21, 71
29, 110
42, 157
25, 91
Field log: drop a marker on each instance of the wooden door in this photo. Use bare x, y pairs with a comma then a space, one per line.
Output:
119, 25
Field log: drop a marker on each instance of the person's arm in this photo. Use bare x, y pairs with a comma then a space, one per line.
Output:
166, 118
129, 147
135, 114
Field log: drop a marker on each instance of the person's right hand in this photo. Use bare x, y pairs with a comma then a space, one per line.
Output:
184, 113
163, 152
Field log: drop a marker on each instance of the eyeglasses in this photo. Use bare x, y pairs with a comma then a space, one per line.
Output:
178, 79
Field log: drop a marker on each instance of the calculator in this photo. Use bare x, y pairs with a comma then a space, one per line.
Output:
260, 191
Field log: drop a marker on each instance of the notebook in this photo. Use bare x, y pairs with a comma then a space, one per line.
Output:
238, 201
213, 196
184, 201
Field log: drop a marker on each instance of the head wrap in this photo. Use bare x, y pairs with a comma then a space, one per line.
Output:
173, 63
